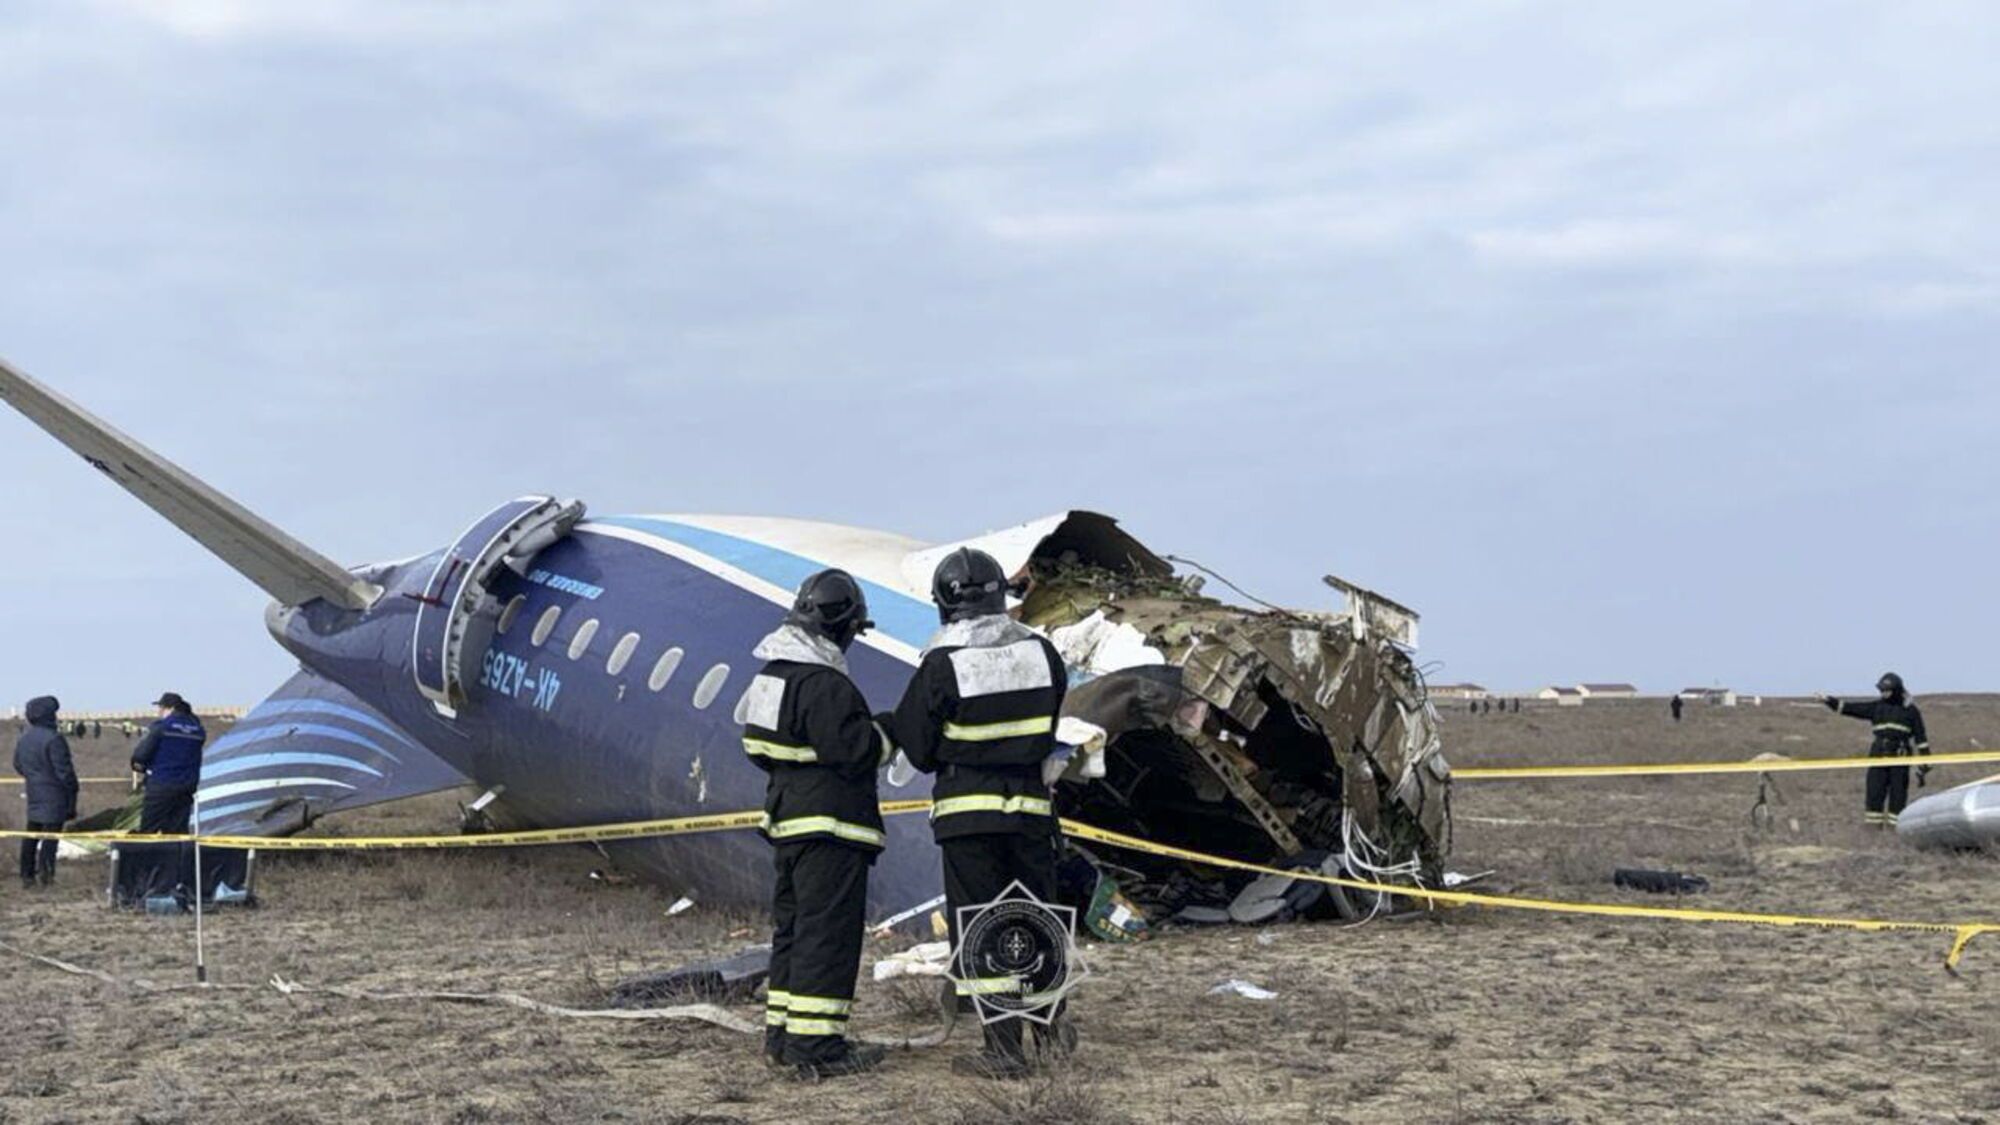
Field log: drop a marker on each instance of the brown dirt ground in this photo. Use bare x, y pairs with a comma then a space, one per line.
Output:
1478, 1015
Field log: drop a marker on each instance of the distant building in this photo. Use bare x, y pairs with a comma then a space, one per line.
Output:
1562, 696
1608, 691
1459, 691
1713, 696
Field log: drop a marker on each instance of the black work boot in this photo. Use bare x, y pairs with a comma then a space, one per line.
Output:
774, 1046
844, 1061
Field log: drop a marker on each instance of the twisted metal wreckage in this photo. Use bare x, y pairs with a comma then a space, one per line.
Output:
1293, 738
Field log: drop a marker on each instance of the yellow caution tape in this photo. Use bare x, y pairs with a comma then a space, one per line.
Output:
1503, 773
1774, 765
583, 834
1962, 932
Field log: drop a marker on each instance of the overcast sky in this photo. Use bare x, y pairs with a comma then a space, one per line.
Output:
1647, 342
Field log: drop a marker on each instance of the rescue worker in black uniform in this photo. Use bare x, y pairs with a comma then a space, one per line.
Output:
1899, 733
807, 725
980, 713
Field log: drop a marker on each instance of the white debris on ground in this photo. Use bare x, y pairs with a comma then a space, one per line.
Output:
1244, 989
931, 959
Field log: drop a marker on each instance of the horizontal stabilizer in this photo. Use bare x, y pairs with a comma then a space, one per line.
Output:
285, 568
311, 749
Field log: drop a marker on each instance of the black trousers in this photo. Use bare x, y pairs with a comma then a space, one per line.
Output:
167, 809
38, 857
979, 869
1888, 790
818, 911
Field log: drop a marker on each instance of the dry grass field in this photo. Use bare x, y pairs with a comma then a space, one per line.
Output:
1471, 1016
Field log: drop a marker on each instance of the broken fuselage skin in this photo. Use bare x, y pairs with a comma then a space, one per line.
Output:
1260, 735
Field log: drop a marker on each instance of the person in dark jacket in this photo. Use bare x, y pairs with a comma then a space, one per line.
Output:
980, 713
41, 757
169, 757
1899, 733
809, 728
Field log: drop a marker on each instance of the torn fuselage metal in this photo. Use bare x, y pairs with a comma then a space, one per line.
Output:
1255, 734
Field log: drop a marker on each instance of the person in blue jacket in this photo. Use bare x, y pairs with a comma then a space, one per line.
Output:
169, 756
42, 759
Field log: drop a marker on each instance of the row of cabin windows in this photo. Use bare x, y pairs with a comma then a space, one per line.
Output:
705, 692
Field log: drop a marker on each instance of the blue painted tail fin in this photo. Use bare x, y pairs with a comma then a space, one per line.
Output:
310, 749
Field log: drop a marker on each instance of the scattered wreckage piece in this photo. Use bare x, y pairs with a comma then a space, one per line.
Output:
1272, 735
1964, 817
730, 980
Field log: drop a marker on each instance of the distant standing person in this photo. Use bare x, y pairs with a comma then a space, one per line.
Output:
169, 755
1899, 733
41, 757
1675, 706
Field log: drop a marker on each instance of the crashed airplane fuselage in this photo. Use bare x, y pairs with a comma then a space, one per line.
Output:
588, 670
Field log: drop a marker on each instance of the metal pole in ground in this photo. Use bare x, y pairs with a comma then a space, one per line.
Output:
200, 960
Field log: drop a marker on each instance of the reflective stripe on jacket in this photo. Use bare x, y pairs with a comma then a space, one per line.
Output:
1898, 727
808, 726
981, 715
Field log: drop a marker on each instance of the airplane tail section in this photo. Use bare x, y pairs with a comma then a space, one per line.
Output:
311, 749
287, 569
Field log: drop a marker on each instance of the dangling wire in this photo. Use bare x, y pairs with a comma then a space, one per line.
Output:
1278, 609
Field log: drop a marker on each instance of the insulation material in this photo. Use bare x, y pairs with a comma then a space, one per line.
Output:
1095, 646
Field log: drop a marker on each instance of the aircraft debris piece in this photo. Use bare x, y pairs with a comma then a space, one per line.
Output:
730, 980
1260, 733
1963, 817
1244, 989
928, 959
1658, 882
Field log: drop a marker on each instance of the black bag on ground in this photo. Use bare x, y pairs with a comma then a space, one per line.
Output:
1658, 882
140, 871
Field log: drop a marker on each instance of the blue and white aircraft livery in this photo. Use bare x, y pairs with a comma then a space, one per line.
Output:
588, 670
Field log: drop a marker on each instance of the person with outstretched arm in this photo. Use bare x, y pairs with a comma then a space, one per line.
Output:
1899, 733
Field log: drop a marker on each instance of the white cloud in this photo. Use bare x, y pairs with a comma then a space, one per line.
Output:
1337, 256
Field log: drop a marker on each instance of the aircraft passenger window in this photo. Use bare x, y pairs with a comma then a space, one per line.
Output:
710, 686
511, 614
580, 644
546, 625
622, 655
664, 670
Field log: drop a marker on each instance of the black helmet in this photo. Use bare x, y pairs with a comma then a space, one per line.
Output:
831, 605
1890, 685
969, 583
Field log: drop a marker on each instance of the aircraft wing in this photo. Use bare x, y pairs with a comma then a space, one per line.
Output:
311, 749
